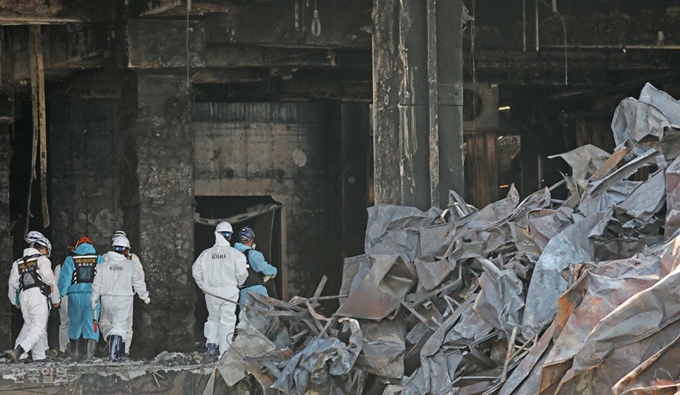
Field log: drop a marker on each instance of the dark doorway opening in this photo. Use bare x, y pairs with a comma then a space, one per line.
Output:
262, 213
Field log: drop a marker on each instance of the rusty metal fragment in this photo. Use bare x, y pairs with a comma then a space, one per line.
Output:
381, 291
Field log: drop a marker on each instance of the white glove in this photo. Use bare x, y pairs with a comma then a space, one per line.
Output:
266, 278
147, 300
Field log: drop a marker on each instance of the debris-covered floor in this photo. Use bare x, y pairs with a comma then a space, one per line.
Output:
168, 373
533, 296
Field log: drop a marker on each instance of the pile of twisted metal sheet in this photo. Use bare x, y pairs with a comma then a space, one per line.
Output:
532, 296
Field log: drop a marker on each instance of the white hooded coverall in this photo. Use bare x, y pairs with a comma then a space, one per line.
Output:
220, 270
34, 306
116, 282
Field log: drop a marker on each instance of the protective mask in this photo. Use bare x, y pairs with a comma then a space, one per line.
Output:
254, 245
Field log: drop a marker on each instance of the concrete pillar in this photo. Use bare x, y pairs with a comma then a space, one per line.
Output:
161, 222
386, 82
449, 24
417, 113
6, 257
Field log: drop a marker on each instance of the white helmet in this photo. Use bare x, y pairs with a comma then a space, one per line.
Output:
43, 242
117, 234
33, 236
121, 241
224, 226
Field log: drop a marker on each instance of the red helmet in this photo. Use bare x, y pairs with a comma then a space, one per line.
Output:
82, 240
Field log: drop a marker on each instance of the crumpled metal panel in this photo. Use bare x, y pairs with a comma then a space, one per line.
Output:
471, 327
672, 198
495, 212
614, 195
431, 271
646, 200
536, 201
650, 120
249, 343
396, 230
618, 363
623, 172
435, 240
381, 291
530, 366
656, 375
584, 160
544, 224
588, 301
502, 298
571, 246
524, 243
383, 348
322, 356
477, 244
632, 326
354, 270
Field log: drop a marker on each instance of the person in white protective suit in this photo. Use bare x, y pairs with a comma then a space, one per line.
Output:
219, 271
33, 278
116, 282
138, 264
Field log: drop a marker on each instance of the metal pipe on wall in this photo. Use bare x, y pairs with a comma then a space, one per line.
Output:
524, 25
537, 30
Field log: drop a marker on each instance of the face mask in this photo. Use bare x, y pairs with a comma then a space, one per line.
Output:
254, 245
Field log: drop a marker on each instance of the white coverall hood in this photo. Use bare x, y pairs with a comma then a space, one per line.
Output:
221, 241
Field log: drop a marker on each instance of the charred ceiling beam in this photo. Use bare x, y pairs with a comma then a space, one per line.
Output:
281, 90
67, 49
161, 43
594, 67
288, 23
41, 12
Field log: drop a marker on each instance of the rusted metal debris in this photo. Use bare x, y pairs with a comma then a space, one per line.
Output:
520, 297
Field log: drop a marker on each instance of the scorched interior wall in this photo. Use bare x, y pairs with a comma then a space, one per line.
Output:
290, 151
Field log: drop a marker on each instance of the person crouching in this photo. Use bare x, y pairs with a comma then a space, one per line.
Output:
116, 282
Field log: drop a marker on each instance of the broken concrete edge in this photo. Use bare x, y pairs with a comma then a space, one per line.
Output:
59, 374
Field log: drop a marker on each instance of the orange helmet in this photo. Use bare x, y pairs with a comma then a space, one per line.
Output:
82, 240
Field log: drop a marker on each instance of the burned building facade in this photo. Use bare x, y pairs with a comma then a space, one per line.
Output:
293, 116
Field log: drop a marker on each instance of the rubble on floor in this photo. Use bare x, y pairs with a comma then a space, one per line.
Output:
536, 296
169, 372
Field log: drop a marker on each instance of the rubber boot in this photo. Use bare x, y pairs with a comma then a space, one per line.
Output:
91, 347
212, 350
114, 346
16, 354
72, 349
82, 348
121, 350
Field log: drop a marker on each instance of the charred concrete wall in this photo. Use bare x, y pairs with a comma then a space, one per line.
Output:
6, 257
158, 212
84, 160
291, 152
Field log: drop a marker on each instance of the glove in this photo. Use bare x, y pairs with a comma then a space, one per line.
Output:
147, 300
266, 278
